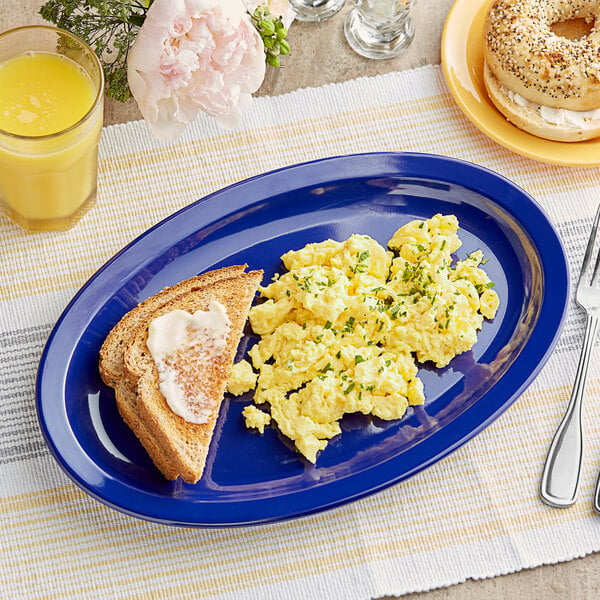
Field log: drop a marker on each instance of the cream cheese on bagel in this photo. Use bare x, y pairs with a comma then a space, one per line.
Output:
563, 117
558, 124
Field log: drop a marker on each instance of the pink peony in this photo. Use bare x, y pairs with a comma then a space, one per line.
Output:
192, 55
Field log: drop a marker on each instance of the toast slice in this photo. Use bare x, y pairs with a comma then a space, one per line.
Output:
178, 447
113, 348
125, 394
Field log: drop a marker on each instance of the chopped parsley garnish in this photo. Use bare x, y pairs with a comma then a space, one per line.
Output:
349, 326
349, 388
481, 287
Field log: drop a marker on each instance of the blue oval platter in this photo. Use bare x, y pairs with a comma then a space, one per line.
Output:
252, 479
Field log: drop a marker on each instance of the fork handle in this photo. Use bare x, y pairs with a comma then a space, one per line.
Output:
560, 479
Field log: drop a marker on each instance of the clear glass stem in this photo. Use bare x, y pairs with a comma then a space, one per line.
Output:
316, 10
380, 28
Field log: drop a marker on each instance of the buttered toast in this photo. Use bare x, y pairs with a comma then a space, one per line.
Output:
177, 447
113, 348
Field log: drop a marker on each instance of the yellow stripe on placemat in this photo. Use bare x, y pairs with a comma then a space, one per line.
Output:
278, 137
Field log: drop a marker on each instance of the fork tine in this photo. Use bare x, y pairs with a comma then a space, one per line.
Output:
589, 251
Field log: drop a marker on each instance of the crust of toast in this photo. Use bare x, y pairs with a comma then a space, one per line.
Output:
113, 348
125, 395
177, 448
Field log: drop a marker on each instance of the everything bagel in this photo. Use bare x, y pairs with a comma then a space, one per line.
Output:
529, 66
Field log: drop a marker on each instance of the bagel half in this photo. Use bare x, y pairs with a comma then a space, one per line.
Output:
531, 59
528, 117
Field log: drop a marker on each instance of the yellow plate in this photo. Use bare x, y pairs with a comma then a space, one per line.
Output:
462, 65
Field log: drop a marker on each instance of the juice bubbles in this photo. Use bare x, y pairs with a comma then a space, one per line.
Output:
43, 93
51, 89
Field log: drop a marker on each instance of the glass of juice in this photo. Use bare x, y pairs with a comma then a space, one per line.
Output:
51, 107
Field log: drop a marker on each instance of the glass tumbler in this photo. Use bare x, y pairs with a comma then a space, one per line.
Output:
316, 10
380, 28
51, 108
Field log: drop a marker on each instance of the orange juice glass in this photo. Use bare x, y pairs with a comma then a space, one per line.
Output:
51, 107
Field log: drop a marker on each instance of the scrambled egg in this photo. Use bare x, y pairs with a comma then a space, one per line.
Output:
242, 378
342, 330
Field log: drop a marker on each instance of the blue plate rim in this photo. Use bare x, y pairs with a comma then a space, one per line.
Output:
150, 507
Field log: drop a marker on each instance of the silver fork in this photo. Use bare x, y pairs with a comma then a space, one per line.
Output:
560, 479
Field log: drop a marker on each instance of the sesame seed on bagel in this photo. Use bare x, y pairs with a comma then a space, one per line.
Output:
530, 59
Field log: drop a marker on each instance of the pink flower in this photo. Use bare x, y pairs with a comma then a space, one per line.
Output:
192, 55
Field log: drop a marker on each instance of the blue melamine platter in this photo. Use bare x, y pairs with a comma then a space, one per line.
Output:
249, 478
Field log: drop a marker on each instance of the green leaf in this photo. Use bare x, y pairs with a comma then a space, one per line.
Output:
108, 26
